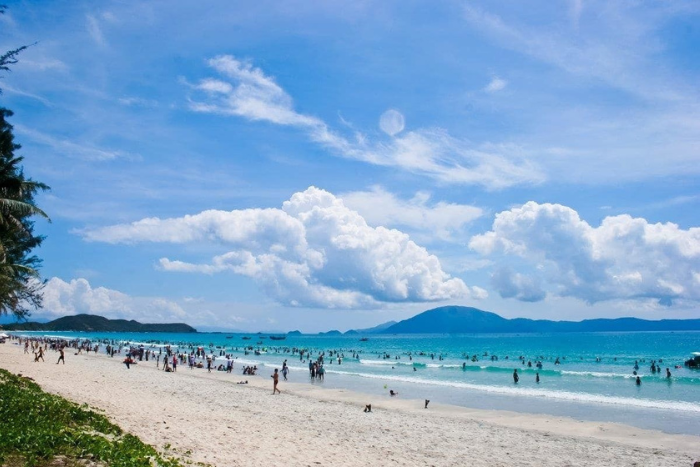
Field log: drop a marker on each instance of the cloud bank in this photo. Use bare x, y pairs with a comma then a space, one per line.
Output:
623, 258
63, 298
313, 252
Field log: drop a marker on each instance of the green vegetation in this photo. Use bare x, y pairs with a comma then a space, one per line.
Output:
20, 287
37, 428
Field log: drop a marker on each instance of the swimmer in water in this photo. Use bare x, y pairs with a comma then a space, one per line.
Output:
537, 378
516, 378
639, 381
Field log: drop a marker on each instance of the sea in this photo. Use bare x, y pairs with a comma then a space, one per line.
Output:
593, 380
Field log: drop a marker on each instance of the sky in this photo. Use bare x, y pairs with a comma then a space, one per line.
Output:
336, 165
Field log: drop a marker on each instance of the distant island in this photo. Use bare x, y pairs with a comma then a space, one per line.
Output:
467, 320
96, 323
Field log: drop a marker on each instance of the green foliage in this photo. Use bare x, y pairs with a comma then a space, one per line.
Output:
20, 288
36, 427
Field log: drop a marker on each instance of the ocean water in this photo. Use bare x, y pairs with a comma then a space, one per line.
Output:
594, 380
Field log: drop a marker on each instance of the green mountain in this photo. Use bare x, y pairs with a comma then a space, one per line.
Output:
98, 323
459, 319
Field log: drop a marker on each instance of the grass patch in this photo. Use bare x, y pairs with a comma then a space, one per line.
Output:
38, 429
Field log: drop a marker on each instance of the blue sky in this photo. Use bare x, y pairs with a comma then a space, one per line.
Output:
318, 165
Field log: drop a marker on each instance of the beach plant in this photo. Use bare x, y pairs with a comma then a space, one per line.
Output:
37, 428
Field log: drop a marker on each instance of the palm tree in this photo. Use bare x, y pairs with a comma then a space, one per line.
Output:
20, 286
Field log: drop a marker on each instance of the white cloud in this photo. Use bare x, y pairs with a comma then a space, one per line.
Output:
93, 28
253, 95
313, 252
78, 296
442, 220
42, 64
392, 122
19, 92
496, 84
70, 149
617, 45
623, 258
137, 102
511, 284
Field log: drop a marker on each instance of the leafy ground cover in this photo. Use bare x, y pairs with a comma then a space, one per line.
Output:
44, 430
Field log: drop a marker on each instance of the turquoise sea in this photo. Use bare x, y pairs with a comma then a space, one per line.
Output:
594, 380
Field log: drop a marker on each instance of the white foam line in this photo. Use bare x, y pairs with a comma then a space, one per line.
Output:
554, 394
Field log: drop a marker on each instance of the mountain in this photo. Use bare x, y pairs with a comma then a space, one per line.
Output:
98, 323
459, 319
373, 330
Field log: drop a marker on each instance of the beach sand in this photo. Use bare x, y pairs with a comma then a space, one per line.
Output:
206, 417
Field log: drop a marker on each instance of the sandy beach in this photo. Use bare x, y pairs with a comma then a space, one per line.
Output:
206, 417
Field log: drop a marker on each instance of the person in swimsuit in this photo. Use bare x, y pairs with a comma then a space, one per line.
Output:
276, 379
62, 357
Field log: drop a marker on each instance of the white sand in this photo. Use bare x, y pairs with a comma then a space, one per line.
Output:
224, 424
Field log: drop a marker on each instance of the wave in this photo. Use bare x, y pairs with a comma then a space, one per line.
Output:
560, 373
598, 374
550, 394
389, 363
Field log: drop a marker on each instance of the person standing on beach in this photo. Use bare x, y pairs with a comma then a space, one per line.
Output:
62, 357
275, 380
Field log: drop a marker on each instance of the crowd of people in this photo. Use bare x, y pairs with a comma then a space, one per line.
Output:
169, 357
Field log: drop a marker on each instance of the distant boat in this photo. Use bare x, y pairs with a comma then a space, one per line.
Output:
278, 338
364, 339
245, 338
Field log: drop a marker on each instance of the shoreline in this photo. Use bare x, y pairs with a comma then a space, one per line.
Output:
216, 419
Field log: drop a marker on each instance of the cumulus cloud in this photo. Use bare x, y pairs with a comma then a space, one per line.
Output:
313, 252
78, 296
243, 90
510, 284
623, 258
442, 220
